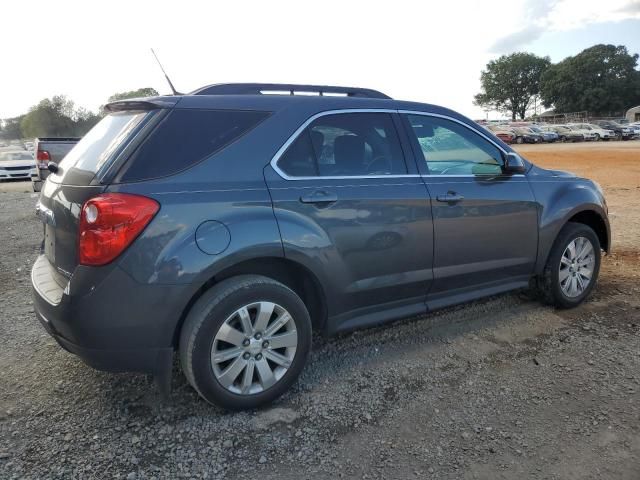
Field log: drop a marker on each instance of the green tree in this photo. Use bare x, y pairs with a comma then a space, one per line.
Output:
57, 117
11, 129
600, 79
141, 92
510, 83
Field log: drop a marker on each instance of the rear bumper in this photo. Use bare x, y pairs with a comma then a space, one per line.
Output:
149, 360
108, 319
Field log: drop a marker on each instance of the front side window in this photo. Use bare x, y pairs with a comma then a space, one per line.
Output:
346, 144
452, 149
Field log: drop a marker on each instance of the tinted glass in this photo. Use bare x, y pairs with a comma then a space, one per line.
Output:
184, 138
452, 149
348, 144
300, 158
95, 148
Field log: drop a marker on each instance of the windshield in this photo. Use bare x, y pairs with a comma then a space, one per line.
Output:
11, 156
91, 153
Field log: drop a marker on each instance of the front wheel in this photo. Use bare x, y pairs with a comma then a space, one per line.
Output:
572, 267
245, 342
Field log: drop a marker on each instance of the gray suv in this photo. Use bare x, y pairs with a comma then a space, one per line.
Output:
229, 223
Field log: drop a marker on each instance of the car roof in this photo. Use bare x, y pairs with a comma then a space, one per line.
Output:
251, 97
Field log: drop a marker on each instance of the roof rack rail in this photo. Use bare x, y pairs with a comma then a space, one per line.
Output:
286, 89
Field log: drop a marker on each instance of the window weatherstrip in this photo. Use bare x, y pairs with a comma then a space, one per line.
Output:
299, 130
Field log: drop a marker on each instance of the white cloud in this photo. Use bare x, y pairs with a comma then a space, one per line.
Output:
540, 16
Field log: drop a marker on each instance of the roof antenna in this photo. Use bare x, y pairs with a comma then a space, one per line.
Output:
175, 92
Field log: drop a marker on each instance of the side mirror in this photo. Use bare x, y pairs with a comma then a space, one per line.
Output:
514, 163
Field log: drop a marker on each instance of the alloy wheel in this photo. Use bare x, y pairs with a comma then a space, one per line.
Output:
576, 267
254, 348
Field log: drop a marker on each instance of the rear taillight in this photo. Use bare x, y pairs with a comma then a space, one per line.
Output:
109, 223
43, 158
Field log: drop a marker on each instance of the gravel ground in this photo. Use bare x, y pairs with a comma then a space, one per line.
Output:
502, 388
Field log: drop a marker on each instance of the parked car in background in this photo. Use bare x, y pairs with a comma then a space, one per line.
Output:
547, 136
29, 146
227, 224
505, 134
598, 132
17, 164
50, 149
565, 134
526, 135
622, 132
588, 135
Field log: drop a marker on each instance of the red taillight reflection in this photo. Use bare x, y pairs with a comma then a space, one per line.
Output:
109, 223
43, 158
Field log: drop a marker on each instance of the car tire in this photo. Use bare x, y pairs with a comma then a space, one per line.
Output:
552, 287
211, 321
37, 186
519, 140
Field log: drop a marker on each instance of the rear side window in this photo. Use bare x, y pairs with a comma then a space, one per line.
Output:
345, 145
186, 137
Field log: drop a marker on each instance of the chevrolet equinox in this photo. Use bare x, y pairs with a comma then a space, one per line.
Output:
227, 224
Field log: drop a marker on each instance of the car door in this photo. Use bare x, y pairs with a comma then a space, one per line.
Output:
485, 221
349, 208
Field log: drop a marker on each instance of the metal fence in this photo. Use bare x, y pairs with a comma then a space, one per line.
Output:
577, 117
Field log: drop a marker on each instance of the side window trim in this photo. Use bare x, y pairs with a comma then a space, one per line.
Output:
306, 123
418, 153
403, 114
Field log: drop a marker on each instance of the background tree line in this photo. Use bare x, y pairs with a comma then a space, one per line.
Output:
600, 79
60, 117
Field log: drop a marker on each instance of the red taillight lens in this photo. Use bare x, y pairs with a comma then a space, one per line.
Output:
109, 223
43, 158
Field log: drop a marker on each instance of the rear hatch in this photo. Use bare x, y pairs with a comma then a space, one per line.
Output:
82, 175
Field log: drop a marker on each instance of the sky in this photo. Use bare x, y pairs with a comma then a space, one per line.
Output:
412, 50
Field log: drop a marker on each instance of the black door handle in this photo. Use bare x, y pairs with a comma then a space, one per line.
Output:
319, 196
450, 197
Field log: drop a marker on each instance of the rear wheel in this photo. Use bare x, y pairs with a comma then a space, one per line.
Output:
597, 137
245, 342
519, 140
572, 267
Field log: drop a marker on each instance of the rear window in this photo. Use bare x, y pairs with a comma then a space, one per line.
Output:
98, 145
186, 137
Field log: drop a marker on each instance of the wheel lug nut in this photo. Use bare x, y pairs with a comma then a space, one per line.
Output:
265, 344
259, 357
257, 336
245, 342
246, 355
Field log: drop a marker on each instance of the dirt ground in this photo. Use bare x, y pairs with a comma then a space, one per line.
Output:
615, 166
503, 388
